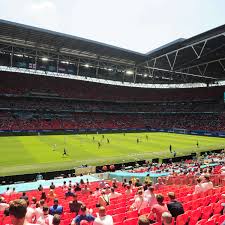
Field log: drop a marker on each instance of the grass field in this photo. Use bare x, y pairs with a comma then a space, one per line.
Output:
28, 154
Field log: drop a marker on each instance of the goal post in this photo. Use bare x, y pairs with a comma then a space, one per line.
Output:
179, 131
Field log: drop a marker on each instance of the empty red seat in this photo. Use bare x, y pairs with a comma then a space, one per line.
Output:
131, 221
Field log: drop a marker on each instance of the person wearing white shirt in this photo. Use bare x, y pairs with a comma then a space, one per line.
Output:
114, 194
30, 215
198, 187
140, 202
207, 185
150, 196
102, 218
46, 218
39, 210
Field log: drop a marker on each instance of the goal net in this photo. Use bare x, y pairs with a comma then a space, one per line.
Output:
179, 131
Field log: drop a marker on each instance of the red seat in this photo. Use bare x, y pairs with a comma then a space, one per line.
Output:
132, 214
195, 216
182, 219
145, 211
118, 218
206, 212
201, 222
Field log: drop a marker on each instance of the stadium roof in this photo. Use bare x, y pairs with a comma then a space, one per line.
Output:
198, 59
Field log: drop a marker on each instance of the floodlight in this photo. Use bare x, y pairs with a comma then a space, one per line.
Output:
129, 72
44, 59
87, 65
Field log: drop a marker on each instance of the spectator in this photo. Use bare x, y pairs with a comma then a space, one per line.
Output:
75, 205
8, 192
56, 219
52, 186
85, 190
102, 218
30, 215
143, 220
17, 212
97, 192
103, 199
140, 202
159, 184
39, 209
69, 193
174, 207
129, 190
207, 185
40, 188
51, 194
159, 208
149, 194
198, 186
33, 202
3, 204
56, 208
46, 218
77, 187
24, 197
138, 183
43, 196
167, 218
14, 191
114, 194
82, 216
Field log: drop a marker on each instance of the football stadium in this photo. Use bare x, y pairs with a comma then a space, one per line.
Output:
92, 133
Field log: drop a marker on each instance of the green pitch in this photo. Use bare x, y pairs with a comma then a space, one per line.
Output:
28, 154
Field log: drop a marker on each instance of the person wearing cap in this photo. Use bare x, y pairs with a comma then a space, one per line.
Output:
175, 207
102, 218
56, 208
83, 216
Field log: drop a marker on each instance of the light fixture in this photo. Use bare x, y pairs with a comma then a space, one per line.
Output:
65, 62
86, 65
145, 75
44, 59
129, 72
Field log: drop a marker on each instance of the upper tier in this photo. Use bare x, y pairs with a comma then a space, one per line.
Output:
16, 83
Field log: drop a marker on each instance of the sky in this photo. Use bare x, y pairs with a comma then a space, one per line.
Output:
138, 25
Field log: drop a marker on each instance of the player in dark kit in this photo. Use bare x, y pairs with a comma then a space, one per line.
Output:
197, 144
103, 136
146, 137
64, 152
170, 148
107, 140
137, 140
99, 144
93, 138
174, 154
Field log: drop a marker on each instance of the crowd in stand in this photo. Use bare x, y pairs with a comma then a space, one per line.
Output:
208, 122
120, 203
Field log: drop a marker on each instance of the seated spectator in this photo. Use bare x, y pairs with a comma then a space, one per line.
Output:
24, 197
43, 195
77, 187
56, 220
46, 218
129, 190
85, 190
114, 194
51, 194
75, 205
148, 179
52, 186
40, 188
159, 184
150, 196
138, 183
167, 218
30, 215
143, 220
97, 192
81, 181
8, 192
3, 204
17, 212
159, 208
33, 203
14, 191
140, 202
102, 218
102, 184
82, 216
56, 208
207, 184
69, 193
103, 199
198, 186
175, 208
39, 209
